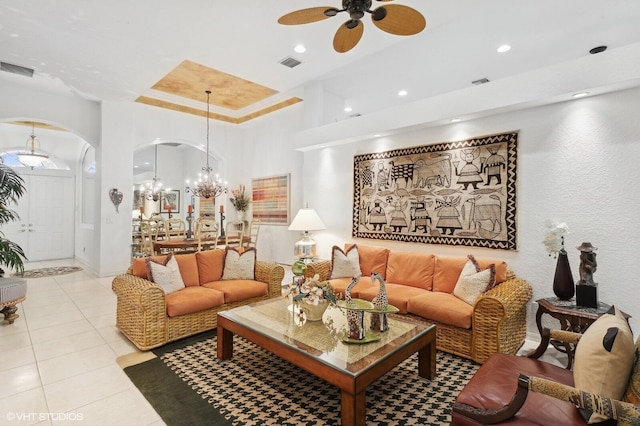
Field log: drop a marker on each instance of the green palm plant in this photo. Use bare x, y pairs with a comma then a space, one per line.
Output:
11, 189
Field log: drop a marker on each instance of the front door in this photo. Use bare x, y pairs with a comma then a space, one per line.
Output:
45, 228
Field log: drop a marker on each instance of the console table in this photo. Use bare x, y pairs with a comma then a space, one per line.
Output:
571, 317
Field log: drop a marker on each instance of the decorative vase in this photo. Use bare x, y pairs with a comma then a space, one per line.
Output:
314, 312
563, 280
240, 214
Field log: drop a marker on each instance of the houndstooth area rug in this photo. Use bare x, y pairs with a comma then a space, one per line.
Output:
256, 387
49, 272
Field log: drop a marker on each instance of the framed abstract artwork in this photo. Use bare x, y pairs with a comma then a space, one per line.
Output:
455, 193
270, 199
172, 198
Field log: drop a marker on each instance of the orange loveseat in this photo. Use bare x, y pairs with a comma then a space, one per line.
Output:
422, 284
149, 318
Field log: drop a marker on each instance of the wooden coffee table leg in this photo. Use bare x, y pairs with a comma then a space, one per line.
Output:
353, 409
225, 343
427, 361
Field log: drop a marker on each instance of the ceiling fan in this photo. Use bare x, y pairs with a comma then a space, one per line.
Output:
394, 19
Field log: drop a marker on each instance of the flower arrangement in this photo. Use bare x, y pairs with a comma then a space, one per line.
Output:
240, 200
554, 238
312, 292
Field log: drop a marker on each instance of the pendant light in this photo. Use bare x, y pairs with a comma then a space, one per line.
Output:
154, 190
206, 186
31, 158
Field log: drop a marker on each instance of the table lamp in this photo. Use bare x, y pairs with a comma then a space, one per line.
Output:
306, 220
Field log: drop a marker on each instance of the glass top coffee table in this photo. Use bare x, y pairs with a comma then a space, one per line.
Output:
317, 347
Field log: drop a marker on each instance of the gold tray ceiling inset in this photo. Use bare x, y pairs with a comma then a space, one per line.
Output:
190, 80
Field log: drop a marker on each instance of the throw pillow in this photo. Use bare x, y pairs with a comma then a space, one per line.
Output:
632, 393
166, 274
239, 266
604, 359
345, 265
473, 281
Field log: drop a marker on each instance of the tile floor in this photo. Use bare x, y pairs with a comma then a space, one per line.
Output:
58, 360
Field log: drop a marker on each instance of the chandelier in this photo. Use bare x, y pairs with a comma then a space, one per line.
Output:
154, 190
31, 158
206, 186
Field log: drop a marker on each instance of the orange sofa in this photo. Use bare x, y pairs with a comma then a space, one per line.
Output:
421, 285
149, 318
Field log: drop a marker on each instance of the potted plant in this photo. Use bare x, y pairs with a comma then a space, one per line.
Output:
11, 189
240, 201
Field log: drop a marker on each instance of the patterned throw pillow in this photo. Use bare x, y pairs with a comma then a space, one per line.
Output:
473, 281
166, 274
604, 359
632, 394
239, 266
345, 265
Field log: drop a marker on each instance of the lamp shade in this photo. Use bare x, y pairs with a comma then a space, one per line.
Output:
307, 220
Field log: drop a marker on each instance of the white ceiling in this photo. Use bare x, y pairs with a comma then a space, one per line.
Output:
116, 50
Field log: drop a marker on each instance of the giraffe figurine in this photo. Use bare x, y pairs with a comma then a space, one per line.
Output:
355, 317
379, 321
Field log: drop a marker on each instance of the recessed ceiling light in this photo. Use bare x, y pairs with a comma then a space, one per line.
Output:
300, 48
146, 163
580, 94
456, 120
504, 48
402, 93
377, 135
348, 109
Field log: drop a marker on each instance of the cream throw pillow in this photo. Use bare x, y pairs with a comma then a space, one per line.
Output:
345, 265
166, 275
239, 266
604, 359
473, 282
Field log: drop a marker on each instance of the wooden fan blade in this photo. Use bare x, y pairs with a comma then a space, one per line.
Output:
346, 38
399, 20
305, 16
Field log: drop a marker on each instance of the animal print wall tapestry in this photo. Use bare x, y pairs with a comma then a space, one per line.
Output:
457, 193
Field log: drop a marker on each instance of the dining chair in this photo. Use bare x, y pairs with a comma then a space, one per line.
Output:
174, 228
146, 238
234, 233
254, 230
207, 233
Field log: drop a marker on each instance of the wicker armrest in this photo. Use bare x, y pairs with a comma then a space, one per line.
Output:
136, 290
272, 274
499, 319
321, 267
624, 412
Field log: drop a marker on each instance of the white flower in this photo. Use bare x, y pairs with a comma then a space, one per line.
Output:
554, 238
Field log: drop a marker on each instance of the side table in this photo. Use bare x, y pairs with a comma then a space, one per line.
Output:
571, 317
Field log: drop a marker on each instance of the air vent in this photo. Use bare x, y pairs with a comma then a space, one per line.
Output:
290, 62
16, 69
480, 81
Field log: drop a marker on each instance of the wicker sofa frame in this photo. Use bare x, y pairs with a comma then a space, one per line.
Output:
142, 313
499, 323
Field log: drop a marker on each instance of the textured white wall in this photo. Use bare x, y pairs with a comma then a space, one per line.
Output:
577, 163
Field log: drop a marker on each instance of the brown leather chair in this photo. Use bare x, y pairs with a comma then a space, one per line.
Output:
510, 389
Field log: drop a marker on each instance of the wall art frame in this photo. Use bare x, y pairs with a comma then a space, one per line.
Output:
459, 193
270, 199
172, 198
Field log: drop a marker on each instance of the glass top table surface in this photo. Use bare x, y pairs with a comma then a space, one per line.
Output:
279, 320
